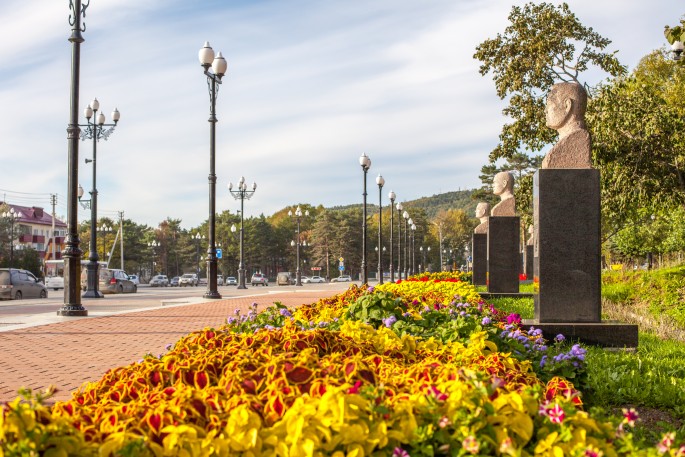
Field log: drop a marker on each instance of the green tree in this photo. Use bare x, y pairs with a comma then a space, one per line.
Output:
543, 44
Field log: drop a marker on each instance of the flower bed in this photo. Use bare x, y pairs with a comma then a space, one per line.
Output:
418, 367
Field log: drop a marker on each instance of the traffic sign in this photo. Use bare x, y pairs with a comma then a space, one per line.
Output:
219, 253
341, 259
341, 268
316, 268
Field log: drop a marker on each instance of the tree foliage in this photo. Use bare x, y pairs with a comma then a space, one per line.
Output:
544, 44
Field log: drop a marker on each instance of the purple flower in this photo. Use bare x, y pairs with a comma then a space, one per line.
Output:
169, 346
285, 312
407, 314
388, 321
370, 289
485, 321
559, 338
399, 452
543, 361
231, 320
514, 318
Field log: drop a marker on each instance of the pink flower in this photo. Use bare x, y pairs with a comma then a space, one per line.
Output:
514, 318
556, 414
444, 422
630, 416
593, 452
506, 446
440, 396
470, 444
399, 452
666, 442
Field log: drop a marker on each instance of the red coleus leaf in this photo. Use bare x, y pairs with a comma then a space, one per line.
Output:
154, 421
249, 386
169, 390
350, 367
201, 380
115, 396
277, 405
155, 378
299, 375
354, 389
209, 334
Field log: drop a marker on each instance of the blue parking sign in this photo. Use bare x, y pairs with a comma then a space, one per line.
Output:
219, 253
341, 268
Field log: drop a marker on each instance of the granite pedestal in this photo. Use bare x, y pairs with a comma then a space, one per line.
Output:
528, 261
504, 258
479, 248
566, 214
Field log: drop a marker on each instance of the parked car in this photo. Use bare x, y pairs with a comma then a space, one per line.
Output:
174, 281
188, 279
231, 281
259, 278
134, 279
159, 281
219, 280
304, 279
17, 284
111, 281
203, 281
342, 278
314, 279
285, 278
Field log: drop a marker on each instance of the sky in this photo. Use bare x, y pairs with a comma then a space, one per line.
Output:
311, 85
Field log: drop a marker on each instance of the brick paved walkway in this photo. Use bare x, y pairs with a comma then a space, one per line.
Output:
70, 353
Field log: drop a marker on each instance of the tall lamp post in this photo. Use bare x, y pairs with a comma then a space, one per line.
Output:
365, 162
105, 229
198, 239
405, 215
413, 250
219, 66
12, 217
298, 215
381, 182
72, 252
391, 196
153, 245
242, 194
94, 130
399, 239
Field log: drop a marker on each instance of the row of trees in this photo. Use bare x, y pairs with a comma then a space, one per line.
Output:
326, 236
636, 119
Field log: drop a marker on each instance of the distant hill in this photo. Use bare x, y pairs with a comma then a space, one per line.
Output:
460, 199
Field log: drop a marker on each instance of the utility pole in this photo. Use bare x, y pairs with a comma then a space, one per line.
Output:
121, 232
53, 201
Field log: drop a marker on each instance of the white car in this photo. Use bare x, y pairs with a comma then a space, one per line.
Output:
188, 279
134, 279
159, 281
231, 281
313, 279
343, 278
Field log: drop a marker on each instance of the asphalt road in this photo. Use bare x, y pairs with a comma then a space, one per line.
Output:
16, 314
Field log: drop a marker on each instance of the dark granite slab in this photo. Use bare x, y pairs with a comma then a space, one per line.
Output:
479, 248
605, 334
504, 255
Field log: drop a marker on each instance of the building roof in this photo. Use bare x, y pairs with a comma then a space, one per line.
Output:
33, 215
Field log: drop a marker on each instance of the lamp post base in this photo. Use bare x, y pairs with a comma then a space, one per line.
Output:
93, 294
241, 279
73, 311
212, 294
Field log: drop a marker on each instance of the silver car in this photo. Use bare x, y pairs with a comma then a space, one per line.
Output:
17, 284
159, 281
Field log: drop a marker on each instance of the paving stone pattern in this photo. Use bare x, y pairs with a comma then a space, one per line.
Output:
70, 353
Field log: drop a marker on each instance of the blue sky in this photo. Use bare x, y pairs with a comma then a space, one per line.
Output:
310, 86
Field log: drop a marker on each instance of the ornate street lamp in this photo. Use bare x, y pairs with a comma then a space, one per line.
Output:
677, 49
72, 252
413, 251
12, 217
381, 182
94, 130
365, 162
298, 215
153, 245
405, 215
198, 239
391, 196
105, 229
399, 239
242, 194
219, 66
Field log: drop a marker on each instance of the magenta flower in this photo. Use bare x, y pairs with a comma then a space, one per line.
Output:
556, 414
399, 452
666, 442
440, 396
630, 416
514, 318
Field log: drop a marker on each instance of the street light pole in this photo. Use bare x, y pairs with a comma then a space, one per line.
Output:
241, 194
381, 182
298, 215
72, 252
399, 240
95, 131
413, 249
197, 238
365, 162
405, 215
219, 66
391, 196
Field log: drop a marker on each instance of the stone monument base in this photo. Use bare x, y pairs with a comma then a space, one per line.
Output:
504, 255
488, 295
479, 249
606, 334
528, 261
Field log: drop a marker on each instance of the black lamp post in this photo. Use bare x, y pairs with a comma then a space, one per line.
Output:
241, 194
105, 229
399, 240
413, 250
365, 162
405, 215
298, 215
153, 245
72, 252
391, 196
95, 130
12, 217
219, 66
381, 182
198, 239
423, 258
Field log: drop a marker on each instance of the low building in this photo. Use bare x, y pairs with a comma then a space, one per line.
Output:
33, 228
